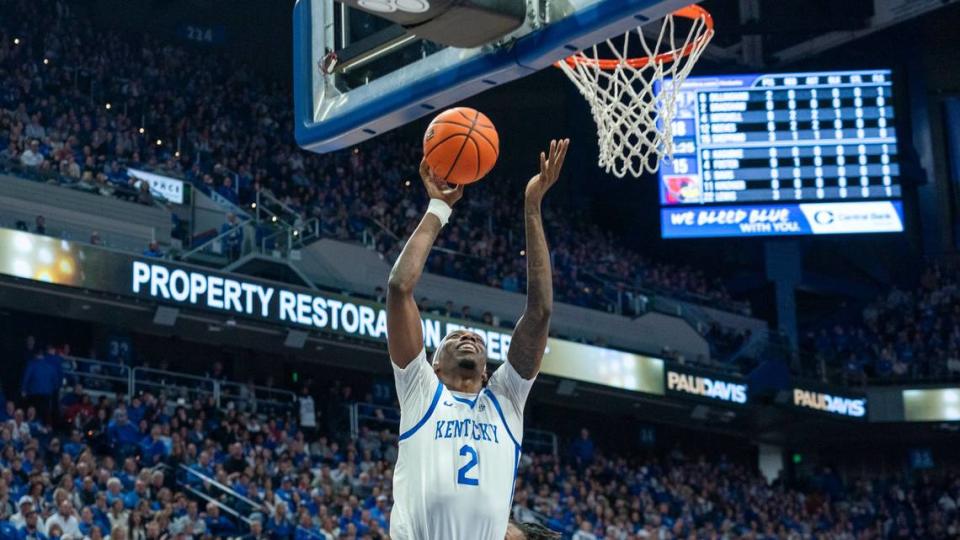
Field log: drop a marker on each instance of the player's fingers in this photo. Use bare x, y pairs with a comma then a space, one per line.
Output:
564, 145
543, 162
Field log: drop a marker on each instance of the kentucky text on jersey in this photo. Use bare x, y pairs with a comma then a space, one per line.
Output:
457, 429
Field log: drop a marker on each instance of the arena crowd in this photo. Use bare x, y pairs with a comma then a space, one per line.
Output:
902, 335
80, 104
79, 463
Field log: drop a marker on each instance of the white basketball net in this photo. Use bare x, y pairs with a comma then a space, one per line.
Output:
634, 121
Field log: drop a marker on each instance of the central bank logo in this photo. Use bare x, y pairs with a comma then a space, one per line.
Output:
824, 217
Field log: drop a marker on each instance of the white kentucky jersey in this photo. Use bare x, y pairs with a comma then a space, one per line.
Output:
458, 455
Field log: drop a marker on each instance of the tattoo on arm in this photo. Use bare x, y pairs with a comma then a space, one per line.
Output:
530, 336
404, 334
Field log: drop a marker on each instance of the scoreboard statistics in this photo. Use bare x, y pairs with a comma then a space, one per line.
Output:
782, 154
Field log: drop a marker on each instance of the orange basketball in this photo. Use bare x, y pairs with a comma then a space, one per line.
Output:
461, 145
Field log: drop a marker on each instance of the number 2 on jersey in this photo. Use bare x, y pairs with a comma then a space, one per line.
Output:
467, 450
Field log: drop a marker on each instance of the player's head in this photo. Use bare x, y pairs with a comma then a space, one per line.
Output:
529, 531
462, 354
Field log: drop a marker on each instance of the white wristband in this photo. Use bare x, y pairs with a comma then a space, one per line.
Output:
440, 209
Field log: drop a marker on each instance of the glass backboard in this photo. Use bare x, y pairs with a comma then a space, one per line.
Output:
379, 76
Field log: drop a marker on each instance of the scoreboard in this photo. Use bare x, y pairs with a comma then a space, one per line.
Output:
782, 154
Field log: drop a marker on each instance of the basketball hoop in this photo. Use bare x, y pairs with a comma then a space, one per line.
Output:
633, 100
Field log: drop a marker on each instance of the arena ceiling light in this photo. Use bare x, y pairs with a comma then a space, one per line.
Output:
165, 316
295, 339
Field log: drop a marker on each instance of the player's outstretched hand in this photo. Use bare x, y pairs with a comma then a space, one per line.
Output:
437, 188
550, 166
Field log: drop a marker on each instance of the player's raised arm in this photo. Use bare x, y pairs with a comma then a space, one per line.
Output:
404, 334
530, 336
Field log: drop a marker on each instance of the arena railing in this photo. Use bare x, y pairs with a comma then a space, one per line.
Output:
267, 207
116, 378
209, 489
264, 400
397, 238
541, 441
288, 238
53, 176
171, 384
96, 375
219, 246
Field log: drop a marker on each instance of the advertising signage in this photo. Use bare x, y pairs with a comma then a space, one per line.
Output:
690, 384
61, 262
832, 404
783, 154
931, 404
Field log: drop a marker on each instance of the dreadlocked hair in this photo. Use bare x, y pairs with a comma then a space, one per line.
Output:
536, 531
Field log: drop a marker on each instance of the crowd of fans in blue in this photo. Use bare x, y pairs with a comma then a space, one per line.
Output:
83, 104
101, 464
902, 335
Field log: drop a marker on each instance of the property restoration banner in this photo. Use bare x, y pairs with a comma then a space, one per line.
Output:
61, 262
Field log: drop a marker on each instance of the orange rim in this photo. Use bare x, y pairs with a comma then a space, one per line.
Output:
692, 12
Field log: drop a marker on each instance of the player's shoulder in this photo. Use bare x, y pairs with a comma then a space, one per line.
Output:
493, 395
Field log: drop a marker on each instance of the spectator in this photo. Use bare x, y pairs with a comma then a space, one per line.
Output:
24, 507
190, 524
95, 238
308, 411
70, 168
152, 450
903, 334
227, 191
232, 233
41, 383
256, 531
582, 448
31, 528
10, 153
153, 250
118, 533
136, 529
35, 129
32, 157
122, 435
585, 532
19, 427
235, 462
216, 524
278, 526
40, 226
144, 196
66, 521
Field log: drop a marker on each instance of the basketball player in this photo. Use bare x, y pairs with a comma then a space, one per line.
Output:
460, 433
